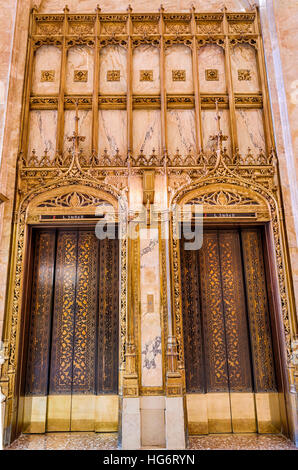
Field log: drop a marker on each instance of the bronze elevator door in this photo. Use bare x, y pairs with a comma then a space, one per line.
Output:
73, 333
227, 334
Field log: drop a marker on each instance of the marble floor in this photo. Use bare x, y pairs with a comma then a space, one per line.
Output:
108, 441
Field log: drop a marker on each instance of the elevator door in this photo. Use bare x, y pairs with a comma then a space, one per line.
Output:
73, 335
229, 363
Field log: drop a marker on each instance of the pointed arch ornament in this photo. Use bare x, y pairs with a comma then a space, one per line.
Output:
74, 191
222, 188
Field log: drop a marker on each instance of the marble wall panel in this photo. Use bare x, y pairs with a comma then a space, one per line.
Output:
209, 125
42, 132
112, 131
112, 58
46, 58
85, 128
146, 58
151, 345
178, 57
243, 57
250, 130
142, 5
211, 56
181, 131
79, 58
146, 131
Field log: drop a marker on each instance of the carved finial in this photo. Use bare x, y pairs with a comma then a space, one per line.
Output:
66, 9
192, 8
34, 8
129, 8
224, 8
161, 9
98, 9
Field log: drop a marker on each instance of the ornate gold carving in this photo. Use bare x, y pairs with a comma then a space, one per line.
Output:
145, 28
144, 40
47, 76
113, 75
172, 40
49, 29
211, 75
255, 101
44, 102
244, 74
81, 29
72, 199
180, 101
224, 198
240, 28
80, 76
84, 102
243, 40
178, 75
146, 75
150, 101
209, 17
209, 27
46, 41
80, 41
202, 41
112, 28
177, 28
112, 102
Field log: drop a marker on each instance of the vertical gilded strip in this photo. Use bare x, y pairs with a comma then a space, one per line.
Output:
212, 314
41, 311
236, 327
258, 312
63, 314
163, 94
85, 317
229, 80
60, 120
195, 74
108, 328
192, 328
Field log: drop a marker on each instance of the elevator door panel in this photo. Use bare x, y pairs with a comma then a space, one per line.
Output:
227, 336
73, 340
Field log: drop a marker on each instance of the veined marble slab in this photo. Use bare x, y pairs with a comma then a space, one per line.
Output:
46, 58
151, 342
181, 131
178, 57
146, 131
250, 130
112, 131
85, 128
243, 57
79, 58
211, 56
42, 132
142, 5
209, 124
146, 58
112, 58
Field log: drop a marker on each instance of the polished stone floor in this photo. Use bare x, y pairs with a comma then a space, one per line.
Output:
108, 441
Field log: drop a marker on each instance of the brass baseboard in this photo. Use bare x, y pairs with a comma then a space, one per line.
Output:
55, 413
233, 412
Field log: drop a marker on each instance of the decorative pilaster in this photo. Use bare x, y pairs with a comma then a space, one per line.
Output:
195, 74
95, 84
229, 80
60, 119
